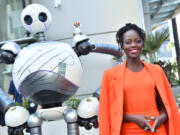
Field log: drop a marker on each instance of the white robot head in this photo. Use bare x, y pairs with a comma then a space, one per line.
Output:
36, 18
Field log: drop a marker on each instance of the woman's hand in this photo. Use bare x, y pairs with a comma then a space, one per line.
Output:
159, 121
142, 121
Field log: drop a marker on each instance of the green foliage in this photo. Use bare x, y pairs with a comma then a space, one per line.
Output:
177, 82
169, 69
18, 104
73, 102
154, 41
25, 103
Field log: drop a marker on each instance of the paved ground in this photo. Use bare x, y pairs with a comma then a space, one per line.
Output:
59, 127
55, 128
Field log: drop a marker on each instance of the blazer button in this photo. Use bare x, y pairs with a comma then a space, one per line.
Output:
115, 113
170, 119
166, 103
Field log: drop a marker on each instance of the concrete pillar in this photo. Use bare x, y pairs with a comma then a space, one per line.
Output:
176, 43
147, 16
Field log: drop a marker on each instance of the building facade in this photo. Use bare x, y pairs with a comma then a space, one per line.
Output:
99, 20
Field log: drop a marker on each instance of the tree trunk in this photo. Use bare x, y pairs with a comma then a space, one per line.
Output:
176, 43
152, 57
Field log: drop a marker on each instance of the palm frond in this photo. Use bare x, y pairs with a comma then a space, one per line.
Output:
154, 41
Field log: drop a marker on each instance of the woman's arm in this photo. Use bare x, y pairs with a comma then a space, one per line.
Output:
163, 114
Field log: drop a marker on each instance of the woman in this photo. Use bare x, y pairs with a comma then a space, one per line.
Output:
136, 98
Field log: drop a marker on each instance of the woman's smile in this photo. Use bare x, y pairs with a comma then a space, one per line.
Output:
134, 51
132, 44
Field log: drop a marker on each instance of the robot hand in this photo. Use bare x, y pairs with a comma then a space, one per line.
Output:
88, 111
80, 42
9, 52
57, 3
81, 45
83, 48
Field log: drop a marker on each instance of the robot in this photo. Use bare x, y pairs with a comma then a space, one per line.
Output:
49, 73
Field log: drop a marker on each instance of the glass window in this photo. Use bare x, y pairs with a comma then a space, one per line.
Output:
10, 28
10, 24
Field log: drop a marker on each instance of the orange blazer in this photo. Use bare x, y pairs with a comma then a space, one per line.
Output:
111, 100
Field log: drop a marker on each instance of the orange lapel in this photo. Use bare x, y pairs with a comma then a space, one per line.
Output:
118, 88
157, 77
118, 82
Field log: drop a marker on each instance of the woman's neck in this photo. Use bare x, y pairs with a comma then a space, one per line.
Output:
134, 64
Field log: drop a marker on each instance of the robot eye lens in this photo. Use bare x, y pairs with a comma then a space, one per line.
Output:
28, 19
43, 17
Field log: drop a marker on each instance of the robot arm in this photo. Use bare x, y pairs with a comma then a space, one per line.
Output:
83, 47
5, 102
108, 49
15, 116
10, 49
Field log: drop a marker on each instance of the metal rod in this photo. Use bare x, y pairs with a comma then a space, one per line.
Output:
23, 3
22, 41
70, 116
34, 124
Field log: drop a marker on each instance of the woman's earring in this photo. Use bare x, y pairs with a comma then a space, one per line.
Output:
122, 51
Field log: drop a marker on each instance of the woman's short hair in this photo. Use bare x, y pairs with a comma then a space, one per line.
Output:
129, 26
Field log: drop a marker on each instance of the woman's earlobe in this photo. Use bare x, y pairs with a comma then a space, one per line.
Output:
122, 47
143, 44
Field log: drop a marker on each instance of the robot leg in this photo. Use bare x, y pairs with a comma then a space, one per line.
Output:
88, 110
16, 130
34, 124
71, 117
